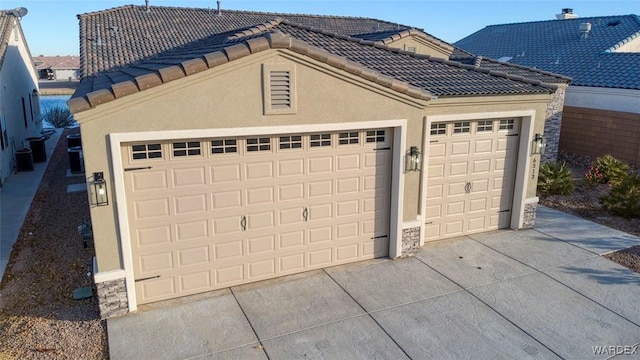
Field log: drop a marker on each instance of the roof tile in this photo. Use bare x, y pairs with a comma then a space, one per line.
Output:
215, 58
124, 88
193, 66
237, 51
556, 46
258, 44
419, 76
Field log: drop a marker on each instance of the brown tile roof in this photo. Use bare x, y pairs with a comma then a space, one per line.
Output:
56, 62
387, 37
123, 35
419, 76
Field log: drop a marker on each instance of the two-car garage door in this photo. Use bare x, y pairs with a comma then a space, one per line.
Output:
214, 212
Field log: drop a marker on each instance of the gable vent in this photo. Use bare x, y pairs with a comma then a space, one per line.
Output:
280, 89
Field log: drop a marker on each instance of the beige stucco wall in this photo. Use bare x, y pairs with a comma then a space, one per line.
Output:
422, 46
212, 99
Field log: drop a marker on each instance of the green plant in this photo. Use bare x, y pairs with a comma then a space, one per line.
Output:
607, 169
59, 117
555, 178
623, 199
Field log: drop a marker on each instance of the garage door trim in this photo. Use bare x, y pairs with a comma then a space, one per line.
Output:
116, 139
524, 169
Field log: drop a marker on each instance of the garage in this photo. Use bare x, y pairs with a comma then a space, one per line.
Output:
208, 213
471, 176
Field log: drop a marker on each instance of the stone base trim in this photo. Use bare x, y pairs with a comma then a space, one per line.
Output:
112, 298
529, 219
410, 241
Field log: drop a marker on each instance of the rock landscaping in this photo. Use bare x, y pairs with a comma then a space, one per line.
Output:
39, 319
584, 202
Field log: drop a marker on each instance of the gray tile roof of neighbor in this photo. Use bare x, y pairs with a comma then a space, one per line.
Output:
512, 69
419, 76
557, 46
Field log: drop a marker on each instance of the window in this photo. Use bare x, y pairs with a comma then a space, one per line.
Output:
438, 129
485, 126
374, 136
258, 144
188, 148
279, 94
35, 105
346, 138
291, 142
224, 146
146, 151
462, 127
320, 140
506, 124
3, 130
24, 114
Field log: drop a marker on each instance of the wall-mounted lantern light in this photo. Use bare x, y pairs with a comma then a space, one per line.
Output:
539, 144
100, 189
413, 159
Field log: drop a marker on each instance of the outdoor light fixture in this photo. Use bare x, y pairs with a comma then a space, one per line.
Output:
100, 189
413, 159
539, 144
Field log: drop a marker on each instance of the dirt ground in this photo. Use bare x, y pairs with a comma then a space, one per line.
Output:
39, 319
584, 202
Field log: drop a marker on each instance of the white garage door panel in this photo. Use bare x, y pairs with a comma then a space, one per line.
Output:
471, 177
208, 221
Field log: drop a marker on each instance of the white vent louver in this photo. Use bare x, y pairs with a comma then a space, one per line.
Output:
280, 89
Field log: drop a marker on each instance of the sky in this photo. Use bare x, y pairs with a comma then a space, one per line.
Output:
51, 26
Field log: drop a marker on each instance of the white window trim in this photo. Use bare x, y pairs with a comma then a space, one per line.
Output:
116, 139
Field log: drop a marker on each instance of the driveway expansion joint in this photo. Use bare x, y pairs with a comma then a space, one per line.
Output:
494, 310
552, 278
250, 324
366, 313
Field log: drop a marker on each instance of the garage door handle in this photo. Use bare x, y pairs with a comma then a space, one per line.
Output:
467, 188
305, 214
243, 223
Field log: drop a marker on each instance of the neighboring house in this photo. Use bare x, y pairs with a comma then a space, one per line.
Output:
65, 68
258, 145
601, 54
19, 104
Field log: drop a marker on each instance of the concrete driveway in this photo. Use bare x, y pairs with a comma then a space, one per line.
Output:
533, 294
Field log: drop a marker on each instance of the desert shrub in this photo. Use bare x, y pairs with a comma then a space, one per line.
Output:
607, 169
58, 116
623, 198
555, 178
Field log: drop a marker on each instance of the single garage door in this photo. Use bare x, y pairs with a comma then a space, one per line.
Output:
471, 176
214, 212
